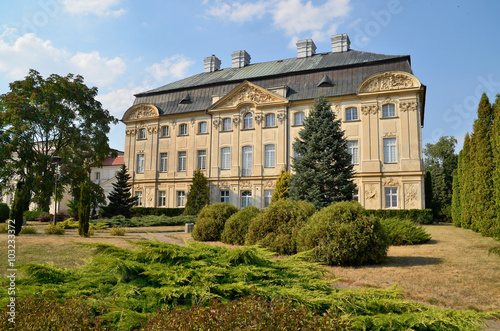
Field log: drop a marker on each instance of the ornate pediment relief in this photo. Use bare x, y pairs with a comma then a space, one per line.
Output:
388, 81
246, 93
140, 112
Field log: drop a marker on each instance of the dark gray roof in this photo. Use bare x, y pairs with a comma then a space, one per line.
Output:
302, 75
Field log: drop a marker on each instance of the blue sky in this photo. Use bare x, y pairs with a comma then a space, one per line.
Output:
124, 46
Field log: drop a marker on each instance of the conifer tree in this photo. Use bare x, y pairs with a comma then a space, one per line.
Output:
120, 199
323, 169
455, 200
199, 194
16, 213
466, 185
84, 209
428, 190
495, 141
282, 186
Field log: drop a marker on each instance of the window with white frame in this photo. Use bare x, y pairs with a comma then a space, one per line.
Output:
391, 197
268, 194
390, 155
269, 157
352, 149
248, 121
162, 199
140, 163
299, 118
351, 114
164, 131
225, 158
202, 127
247, 161
355, 195
226, 124
163, 162
142, 134
388, 110
246, 199
202, 159
270, 120
183, 129
182, 161
138, 195
224, 196
181, 198
97, 177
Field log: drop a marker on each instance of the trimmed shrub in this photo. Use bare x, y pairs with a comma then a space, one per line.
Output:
4, 228
156, 211
28, 230
69, 224
236, 227
342, 234
32, 215
404, 232
55, 229
143, 221
116, 231
422, 216
44, 218
277, 226
4, 212
211, 221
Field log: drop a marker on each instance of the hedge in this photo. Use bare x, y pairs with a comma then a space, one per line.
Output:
422, 216
156, 211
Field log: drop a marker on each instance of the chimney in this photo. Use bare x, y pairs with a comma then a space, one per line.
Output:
340, 43
305, 48
212, 63
240, 59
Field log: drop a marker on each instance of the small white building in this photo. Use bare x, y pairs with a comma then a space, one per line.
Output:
105, 176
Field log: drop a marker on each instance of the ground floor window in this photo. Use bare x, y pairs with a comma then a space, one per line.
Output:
162, 199
246, 199
267, 197
355, 195
181, 198
138, 195
224, 196
391, 197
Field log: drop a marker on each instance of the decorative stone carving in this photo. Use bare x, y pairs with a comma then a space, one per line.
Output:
236, 119
130, 132
152, 129
192, 121
250, 93
387, 101
174, 123
390, 182
149, 195
246, 184
369, 109
258, 118
138, 188
371, 193
408, 106
216, 122
269, 184
281, 117
336, 110
388, 81
389, 135
411, 193
246, 109
143, 111
224, 184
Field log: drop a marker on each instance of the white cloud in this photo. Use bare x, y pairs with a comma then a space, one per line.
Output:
118, 101
20, 53
296, 18
171, 67
95, 7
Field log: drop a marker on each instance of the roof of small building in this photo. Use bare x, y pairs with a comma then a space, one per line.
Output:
113, 161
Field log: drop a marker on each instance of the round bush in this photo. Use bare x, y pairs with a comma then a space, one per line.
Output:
4, 212
236, 227
211, 220
342, 234
278, 225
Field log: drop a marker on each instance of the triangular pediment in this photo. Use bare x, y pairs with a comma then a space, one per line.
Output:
247, 93
388, 81
140, 112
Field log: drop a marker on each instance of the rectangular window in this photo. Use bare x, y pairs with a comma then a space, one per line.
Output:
162, 199
299, 118
224, 196
246, 199
247, 161
391, 197
388, 110
202, 160
202, 127
97, 177
352, 149
163, 162
355, 195
351, 114
390, 155
164, 131
270, 121
226, 124
182, 161
268, 194
142, 134
183, 129
225, 159
138, 202
181, 197
269, 160
140, 163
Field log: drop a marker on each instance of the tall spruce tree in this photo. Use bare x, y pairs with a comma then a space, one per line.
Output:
467, 184
282, 186
120, 199
199, 194
323, 169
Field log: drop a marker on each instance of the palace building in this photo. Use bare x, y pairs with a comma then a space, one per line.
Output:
238, 125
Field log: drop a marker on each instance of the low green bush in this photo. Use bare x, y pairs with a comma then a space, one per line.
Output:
236, 227
211, 221
69, 224
4, 228
404, 232
116, 231
4, 212
44, 218
55, 229
28, 230
277, 226
144, 211
422, 216
33, 215
146, 221
342, 234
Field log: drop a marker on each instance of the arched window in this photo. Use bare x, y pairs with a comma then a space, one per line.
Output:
388, 110
248, 121
202, 127
299, 118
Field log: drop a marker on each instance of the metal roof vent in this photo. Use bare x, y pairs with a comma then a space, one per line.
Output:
325, 81
211, 64
305, 48
186, 99
340, 43
240, 59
